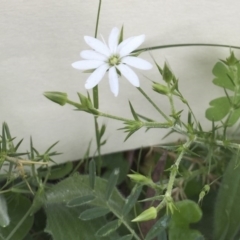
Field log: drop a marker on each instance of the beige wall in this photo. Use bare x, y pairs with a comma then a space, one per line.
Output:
40, 40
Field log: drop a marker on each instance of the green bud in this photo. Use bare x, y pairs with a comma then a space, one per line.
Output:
157, 87
231, 60
167, 73
150, 213
140, 179
57, 97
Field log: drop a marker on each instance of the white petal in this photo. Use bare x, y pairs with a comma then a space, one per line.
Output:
97, 45
129, 74
113, 40
113, 81
87, 64
137, 62
96, 76
123, 43
92, 55
131, 45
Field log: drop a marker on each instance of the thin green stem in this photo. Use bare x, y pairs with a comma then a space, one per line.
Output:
154, 105
96, 99
185, 45
124, 222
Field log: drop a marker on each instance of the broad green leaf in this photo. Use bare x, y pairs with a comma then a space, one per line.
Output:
93, 213
222, 76
4, 217
219, 109
63, 223
108, 228
80, 201
227, 208
17, 205
187, 212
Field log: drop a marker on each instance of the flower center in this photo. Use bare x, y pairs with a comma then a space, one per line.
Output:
114, 60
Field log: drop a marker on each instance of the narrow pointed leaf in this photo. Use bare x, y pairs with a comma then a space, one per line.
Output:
131, 199
80, 201
92, 173
4, 218
108, 228
93, 213
112, 182
133, 112
159, 228
126, 237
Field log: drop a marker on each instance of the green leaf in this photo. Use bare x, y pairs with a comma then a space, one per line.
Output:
227, 208
60, 171
135, 116
187, 212
159, 228
4, 217
80, 200
219, 109
93, 213
112, 182
92, 173
222, 76
108, 228
126, 237
17, 205
63, 223
131, 199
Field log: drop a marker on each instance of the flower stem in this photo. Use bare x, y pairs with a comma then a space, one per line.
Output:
95, 99
186, 45
154, 105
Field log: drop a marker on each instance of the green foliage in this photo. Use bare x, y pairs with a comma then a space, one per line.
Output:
227, 208
187, 212
227, 76
18, 206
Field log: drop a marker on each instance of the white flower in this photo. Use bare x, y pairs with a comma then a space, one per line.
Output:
113, 58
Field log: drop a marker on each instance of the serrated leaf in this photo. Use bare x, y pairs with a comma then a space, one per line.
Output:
93, 213
80, 200
131, 199
226, 216
4, 217
108, 228
112, 182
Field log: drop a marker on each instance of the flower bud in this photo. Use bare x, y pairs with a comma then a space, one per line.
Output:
140, 178
157, 87
150, 213
57, 97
